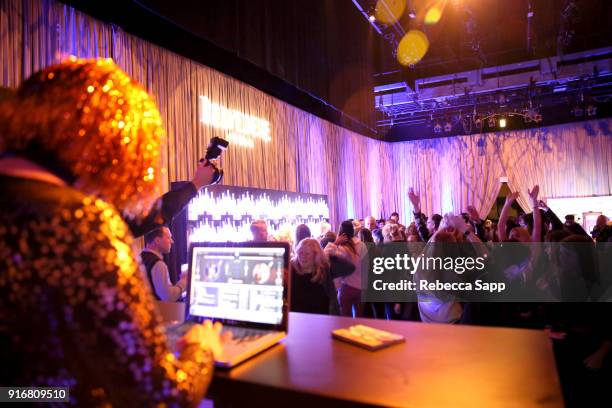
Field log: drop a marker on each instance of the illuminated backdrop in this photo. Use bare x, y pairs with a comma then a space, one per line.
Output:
224, 213
239, 128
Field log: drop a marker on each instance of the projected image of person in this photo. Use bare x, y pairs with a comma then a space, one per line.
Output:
261, 274
255, 273
214, 272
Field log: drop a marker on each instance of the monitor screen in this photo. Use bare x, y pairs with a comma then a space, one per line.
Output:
224, 213
243, 284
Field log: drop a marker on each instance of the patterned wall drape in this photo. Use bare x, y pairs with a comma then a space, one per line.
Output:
361, 176
566, 161
449, 173
306, 153
573, 160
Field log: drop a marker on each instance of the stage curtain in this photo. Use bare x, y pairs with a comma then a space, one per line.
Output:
571, 160
306, 153
448, 173
360, 176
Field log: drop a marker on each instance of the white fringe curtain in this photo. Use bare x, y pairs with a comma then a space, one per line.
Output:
573, 160
306, 154
361, 176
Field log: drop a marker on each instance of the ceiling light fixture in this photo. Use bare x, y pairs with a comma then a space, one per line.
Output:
591, 110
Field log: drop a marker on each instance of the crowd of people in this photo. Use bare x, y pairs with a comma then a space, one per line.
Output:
558, 259
557, 271
79, 168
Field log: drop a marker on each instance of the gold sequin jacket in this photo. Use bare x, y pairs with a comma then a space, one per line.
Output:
75, 309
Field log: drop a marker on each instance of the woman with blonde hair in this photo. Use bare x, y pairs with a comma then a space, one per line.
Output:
80, 147
392, 233
312, 274
355, 252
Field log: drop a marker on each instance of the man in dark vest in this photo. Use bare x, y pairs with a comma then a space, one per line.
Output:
157, 243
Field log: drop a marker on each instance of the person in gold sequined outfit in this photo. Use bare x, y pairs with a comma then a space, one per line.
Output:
80, 148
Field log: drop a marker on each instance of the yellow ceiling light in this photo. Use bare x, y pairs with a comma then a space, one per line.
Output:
434, 14
389, 11
412, 48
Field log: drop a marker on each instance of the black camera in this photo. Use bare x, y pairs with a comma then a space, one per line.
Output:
215, 148
213, 151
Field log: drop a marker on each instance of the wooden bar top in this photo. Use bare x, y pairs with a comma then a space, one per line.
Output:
437, 366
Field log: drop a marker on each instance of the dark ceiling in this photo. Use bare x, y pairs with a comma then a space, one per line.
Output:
472, 34
517, 59
325, 57
316, 55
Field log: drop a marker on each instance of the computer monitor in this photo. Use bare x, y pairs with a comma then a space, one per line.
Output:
239, 283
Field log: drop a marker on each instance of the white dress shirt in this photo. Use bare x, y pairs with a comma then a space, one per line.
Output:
161, 281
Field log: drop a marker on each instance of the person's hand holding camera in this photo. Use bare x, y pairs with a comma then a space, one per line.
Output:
208, 171
213, 152
203, 175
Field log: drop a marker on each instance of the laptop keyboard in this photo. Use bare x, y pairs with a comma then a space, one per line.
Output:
244, 335
240, 335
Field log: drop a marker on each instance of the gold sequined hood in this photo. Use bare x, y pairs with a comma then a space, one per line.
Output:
91, 119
